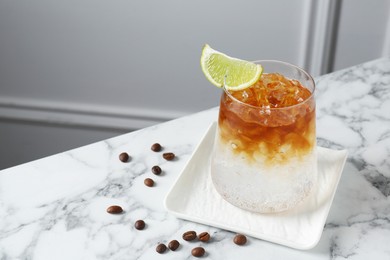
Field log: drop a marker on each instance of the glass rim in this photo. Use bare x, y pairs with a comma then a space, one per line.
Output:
312, 93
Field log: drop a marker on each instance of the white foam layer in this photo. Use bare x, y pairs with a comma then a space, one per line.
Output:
261, 188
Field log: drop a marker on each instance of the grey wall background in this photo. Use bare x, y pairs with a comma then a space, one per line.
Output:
79, 71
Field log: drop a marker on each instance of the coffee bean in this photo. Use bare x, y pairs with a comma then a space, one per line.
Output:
204, 237
114, 209
173, 245
168, 156
156, 147
139, 224
124, 157
156, 170
189, 235
161, 248
149, 182
198, 251
239, 240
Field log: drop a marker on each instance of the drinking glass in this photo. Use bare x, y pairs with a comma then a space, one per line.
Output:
264, 158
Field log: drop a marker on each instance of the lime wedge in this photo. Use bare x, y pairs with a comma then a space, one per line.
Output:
221, 69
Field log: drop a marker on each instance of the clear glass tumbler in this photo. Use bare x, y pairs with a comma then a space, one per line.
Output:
264, 158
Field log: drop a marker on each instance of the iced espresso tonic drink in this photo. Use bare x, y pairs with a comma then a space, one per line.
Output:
264, 159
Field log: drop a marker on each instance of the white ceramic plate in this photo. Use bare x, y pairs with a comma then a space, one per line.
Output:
194, 198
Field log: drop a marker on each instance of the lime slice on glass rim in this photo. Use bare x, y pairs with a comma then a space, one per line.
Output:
232, 73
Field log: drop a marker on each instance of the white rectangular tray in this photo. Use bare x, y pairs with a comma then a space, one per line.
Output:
194, 198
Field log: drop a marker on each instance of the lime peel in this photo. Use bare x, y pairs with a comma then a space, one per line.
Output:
232, 73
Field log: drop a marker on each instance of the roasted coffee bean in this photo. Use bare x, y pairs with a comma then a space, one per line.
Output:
239, 240
149, 182
114, 209
124, 157
173, 245
198, 251
161, 248
139, 224
189, 235
156, 147
204, 237
156, 170
169, 156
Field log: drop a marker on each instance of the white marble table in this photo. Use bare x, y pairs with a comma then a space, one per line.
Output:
55, 208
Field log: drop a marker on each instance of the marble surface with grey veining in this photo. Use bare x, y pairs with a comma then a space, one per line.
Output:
55, 207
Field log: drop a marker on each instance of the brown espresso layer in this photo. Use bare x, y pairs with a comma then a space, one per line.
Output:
268, 123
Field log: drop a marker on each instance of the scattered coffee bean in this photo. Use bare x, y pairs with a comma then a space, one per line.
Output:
124, 157
239, 240
173, 245
156, 170
198, 251
189, 235
139, 224
168, 156
204, 237
149, 182
156, 147
161, 248
114, 209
